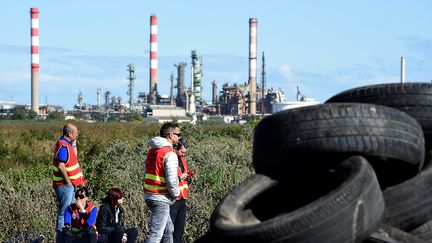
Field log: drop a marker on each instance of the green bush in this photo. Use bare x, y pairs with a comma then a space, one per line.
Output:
113, 155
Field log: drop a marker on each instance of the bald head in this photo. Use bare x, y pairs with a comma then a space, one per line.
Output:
70, 132
68, 129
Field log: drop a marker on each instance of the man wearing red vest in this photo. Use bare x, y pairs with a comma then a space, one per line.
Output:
178, 209
67, 173
161, 184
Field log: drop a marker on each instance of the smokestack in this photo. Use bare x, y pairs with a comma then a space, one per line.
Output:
153, 60
34, 16
252, 64
98, 92
214, 93
402, 69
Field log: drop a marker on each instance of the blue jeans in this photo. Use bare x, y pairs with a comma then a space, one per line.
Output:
178, 218
65, 197
160, 226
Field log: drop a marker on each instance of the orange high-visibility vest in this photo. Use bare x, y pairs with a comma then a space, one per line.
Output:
79, 224
155, 179
72, 167
183, 184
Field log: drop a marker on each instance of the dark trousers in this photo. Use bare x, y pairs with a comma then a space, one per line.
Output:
88, 236
178, 218
116, 236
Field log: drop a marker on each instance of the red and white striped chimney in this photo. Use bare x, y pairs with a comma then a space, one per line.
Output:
153, 60
34, 16
252, 64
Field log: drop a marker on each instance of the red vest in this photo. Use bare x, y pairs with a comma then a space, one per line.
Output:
79, 224
71, 165
155, 179
183, 184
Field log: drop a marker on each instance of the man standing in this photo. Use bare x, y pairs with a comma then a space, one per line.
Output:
161, 184
178, 209
67, 173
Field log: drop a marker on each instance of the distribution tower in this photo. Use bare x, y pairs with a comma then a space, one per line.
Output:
34, 17
153, 60
132, 77
196, 75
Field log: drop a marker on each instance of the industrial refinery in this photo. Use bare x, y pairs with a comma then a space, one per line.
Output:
185, 102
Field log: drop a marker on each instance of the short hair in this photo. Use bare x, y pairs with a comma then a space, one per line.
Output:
167, 128
113, 195
67, 129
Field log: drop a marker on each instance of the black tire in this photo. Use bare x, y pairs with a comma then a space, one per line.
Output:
413, 98
345, 204
389, 234
307, 136
424, 231
409, 204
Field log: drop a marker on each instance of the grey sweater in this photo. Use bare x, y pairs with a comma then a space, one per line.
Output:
170, 166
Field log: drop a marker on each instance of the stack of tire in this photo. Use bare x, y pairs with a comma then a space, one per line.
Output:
354, 169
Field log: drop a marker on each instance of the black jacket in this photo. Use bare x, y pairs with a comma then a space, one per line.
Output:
106, 217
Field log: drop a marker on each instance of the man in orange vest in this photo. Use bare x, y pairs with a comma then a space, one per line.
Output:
67, 173
161, 184
178, 209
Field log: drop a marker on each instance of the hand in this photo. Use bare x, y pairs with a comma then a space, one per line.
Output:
124, 239
191, 173
184, 176
66, 227
79, 205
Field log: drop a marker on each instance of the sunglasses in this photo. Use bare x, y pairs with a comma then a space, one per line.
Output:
178, 134
81, 196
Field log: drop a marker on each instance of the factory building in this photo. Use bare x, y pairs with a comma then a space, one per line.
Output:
186, 104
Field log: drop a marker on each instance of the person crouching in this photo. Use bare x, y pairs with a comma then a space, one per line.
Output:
80, 219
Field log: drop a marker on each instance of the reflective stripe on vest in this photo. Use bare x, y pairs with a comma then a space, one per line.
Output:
72, 167
183, 184
79, 224
154, 179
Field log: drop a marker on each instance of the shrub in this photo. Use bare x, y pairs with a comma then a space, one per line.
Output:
113, 155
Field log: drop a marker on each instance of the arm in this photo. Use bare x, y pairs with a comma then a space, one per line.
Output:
63, 172
91, 217
171, 167
63, 158
75, 147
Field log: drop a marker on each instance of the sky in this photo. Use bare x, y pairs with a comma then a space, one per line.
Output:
322, 47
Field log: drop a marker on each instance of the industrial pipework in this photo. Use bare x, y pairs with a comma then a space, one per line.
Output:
34, 17
214, 93
132, 77
181, 95
197, 74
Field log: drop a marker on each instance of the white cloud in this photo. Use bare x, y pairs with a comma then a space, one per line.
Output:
286, 72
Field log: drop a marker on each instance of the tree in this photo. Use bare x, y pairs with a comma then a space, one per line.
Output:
56, 115
19, 113
31, 114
